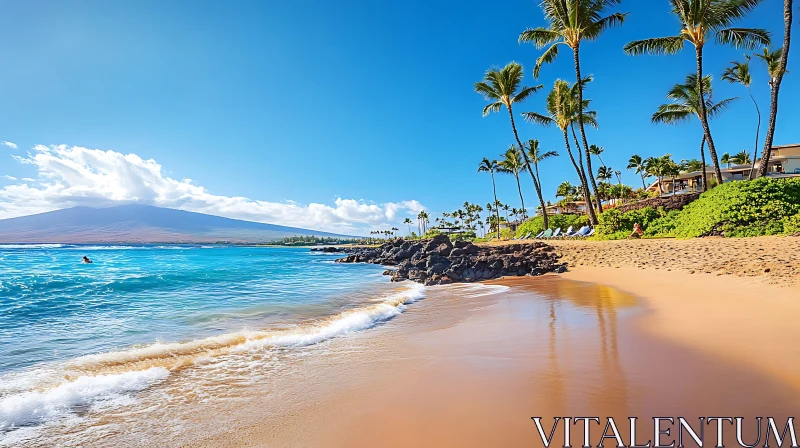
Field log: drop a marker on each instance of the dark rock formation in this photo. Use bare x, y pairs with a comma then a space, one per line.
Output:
438, 261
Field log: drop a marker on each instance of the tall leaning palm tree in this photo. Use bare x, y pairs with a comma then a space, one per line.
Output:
686, 102
700, 21
535, 155
562, 111
512, 163
490, 166
739, 72
775, 86
637, 163
571, 23
596, 151
503, 87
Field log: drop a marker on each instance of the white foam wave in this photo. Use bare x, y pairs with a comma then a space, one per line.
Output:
31, 246
343, 323
106, 379
86, 391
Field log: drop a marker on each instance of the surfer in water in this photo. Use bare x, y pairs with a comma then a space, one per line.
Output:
86, 259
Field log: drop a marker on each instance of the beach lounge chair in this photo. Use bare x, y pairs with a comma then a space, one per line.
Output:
539, 235
547, 233
527, 236
581, 232
556, 233
591, 232
569, 232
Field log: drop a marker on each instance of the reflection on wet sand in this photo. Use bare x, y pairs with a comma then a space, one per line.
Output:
460, 370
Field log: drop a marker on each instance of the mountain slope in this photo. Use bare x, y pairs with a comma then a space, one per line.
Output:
139, 224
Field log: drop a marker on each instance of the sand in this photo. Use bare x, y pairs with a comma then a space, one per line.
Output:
471, 372
629, 331
776, 260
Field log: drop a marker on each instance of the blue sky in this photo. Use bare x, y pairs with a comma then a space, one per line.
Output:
310, 101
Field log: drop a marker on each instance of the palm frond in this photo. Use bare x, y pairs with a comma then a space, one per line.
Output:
539, 36
593, 31
657, 45
547, 57
491, 108
671, 114
748, 38
525, 93
537, 118
715, 109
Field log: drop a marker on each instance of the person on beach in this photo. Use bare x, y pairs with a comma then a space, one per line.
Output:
86, 260
637, 231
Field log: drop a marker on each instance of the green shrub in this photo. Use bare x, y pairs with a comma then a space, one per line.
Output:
791, 225
742, 208
535, 225
616, 225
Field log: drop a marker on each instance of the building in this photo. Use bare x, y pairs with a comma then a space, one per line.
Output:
565, 208
784, 162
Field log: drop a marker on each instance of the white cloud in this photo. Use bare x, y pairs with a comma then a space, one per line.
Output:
9, 177
9, 144
28, 179
71, 176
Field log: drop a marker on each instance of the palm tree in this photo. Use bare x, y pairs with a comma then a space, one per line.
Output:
512, 163
566, 190
570, 23
596, 151
685, 103
604, 173
776, 72
739, 72
535, 155
562, 111
741, 158
637, 163
700, 20
490, 166
692, 165
726, 160
408, 222
503, 88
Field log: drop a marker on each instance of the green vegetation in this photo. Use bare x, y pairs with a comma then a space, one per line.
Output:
310, 240
736, 209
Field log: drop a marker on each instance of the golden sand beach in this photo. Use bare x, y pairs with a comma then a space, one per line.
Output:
636, 328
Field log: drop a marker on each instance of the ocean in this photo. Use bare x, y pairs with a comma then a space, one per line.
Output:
79, 341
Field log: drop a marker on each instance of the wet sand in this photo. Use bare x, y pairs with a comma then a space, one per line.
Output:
455, 371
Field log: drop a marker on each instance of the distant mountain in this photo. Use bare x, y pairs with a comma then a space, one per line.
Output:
139, 224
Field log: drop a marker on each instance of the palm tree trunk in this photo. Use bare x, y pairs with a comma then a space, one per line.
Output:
644, 187
584, 186
704, 115
496, 209
576, 54
528, 164
776, 86
582, 173
758, 131
519, 188
703, 161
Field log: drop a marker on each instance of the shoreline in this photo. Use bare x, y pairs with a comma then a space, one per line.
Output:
595, 341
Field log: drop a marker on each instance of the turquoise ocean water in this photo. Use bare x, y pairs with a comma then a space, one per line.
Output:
75, 336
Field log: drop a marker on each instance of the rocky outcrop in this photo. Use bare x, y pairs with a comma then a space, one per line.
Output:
438, 261
675, 202
332, 249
